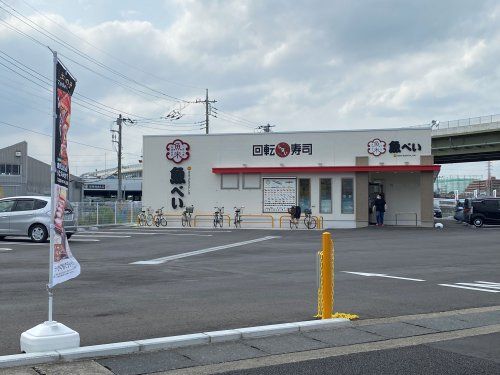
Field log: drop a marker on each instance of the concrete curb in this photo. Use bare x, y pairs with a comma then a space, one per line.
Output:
162, 343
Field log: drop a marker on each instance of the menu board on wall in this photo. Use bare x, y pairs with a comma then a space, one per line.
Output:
279, 194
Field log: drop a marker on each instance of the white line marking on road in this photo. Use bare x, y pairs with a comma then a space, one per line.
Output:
90, 235
83, 240
113, 233
5, 249
482, 285
203, 251
382, 275
25, 243
469, 287
489, 284
154, 230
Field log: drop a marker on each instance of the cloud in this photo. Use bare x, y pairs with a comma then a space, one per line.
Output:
300, 65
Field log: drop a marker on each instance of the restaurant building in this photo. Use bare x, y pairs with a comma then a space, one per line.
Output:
336, 174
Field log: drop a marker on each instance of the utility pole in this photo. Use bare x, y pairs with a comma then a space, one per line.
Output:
119, 122
207, 109
488, 183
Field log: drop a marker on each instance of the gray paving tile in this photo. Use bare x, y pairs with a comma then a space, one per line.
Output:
18, 371
73, 368
145, 363
286, 344
486, 318
396, 329
483, 346
223, 352
445, 323
343, 336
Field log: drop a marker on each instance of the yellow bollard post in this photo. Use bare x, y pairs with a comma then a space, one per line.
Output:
327, 277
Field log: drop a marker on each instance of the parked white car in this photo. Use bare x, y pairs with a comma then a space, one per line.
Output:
30, 216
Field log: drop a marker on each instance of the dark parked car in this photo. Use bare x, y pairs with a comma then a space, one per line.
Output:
482, 211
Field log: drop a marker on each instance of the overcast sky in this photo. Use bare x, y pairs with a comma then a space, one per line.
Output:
299, 65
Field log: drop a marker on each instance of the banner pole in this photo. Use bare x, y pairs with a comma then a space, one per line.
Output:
52, 183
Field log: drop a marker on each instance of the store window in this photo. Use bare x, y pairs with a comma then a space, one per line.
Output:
304, 193
325, 195
347, 203
251, 181
230, 181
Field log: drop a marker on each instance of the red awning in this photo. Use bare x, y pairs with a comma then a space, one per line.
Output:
327, 169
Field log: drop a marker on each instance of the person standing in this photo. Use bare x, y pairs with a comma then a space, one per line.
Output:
380, 206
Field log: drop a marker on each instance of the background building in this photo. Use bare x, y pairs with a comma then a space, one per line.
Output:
445, 186
21, 174
484, 187
103, 184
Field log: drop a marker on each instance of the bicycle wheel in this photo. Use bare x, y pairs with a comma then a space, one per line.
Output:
141, 219
163, 221
149, 220
310, 222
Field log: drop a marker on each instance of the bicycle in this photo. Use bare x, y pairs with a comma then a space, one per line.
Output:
159, 219
218, 217
145, 217
237, 216
186, 216
309, 220
294, 221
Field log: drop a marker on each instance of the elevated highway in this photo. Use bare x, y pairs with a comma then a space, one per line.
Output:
467, 140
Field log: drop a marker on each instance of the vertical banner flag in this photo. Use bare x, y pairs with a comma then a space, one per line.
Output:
64, 265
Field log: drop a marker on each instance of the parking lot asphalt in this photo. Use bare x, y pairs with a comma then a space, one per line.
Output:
241, 278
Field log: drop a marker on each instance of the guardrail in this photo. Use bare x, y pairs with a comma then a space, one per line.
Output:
259, 216
468, 121
407, 213
211, 216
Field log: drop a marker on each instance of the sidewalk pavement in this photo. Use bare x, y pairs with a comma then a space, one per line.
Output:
357, 337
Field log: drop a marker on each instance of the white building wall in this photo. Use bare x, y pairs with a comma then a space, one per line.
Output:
340, 148
402, 194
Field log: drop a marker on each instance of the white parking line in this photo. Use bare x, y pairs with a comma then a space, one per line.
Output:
203, 251
382, 275
90, 235
25, 243
83, 240
5, 249
155, 230
113, 233
489, 284
480, 284
470, 288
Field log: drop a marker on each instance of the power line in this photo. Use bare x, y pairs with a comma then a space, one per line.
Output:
49, 135
78, 97
61, 42
106, 53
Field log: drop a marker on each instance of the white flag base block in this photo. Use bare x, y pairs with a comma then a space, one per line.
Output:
49, 336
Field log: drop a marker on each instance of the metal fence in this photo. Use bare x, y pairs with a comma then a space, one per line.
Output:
469, 121
106, 213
